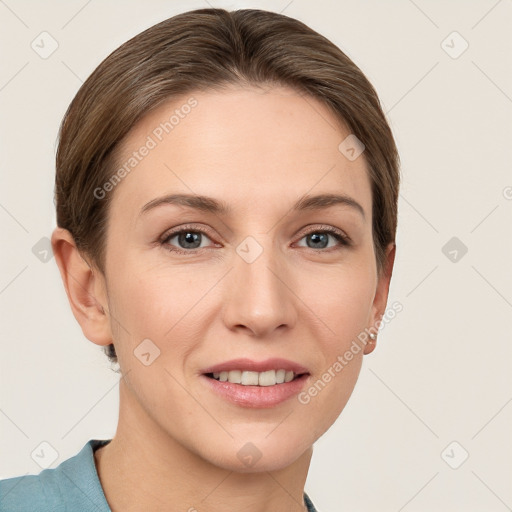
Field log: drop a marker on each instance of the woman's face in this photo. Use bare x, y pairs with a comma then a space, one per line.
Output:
259, 280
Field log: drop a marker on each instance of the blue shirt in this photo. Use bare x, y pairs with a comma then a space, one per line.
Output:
73, 486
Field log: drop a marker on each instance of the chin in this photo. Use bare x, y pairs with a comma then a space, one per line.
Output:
259, 454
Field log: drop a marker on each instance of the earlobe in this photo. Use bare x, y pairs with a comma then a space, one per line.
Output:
85, 288
381, 296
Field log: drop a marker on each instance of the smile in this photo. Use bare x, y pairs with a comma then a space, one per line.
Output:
250, 378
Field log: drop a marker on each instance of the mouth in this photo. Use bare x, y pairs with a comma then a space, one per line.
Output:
251, 378
247, 383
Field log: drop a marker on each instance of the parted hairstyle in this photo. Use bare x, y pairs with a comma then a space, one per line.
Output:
204, 50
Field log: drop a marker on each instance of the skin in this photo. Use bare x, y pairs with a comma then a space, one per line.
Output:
259, 150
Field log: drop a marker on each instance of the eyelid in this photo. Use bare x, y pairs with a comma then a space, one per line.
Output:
184, 227
344, 239
326, 228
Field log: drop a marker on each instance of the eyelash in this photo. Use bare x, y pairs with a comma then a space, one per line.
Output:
342, 238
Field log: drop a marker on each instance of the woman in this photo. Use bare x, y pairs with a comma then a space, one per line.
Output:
226, 195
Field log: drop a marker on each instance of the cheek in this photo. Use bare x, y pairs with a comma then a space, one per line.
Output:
148, 303
342, 298
146, 294
343, 303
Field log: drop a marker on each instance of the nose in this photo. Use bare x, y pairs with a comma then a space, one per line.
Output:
259, 295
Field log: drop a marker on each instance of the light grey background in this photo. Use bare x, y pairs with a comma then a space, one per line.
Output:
441, 370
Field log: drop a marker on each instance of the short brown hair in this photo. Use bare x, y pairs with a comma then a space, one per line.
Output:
202, 50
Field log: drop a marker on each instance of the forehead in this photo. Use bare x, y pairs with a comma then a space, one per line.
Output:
246, 145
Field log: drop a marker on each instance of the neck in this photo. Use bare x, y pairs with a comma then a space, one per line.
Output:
144, 468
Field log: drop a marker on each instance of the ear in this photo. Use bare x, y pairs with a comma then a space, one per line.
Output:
85, 288
381, 293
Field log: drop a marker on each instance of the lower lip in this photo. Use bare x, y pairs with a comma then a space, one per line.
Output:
257, 396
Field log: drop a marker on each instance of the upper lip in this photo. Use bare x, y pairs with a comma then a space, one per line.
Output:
274, 363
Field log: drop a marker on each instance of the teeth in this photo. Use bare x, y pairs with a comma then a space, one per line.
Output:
248, 378
267, 378
235, 376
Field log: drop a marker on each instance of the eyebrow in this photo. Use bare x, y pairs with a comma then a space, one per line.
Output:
219, 207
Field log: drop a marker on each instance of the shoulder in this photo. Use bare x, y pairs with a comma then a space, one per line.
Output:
71, 486
22, 493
